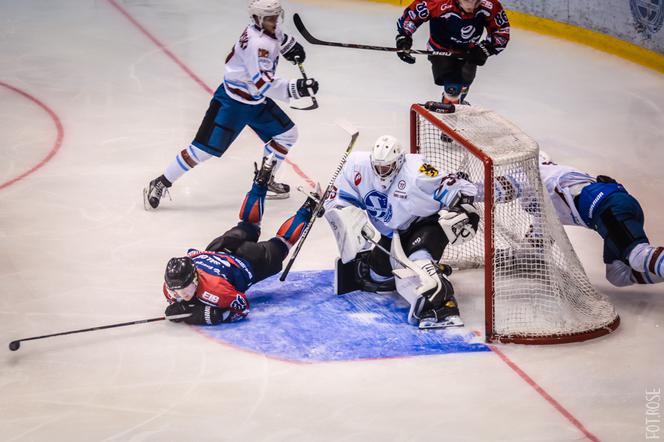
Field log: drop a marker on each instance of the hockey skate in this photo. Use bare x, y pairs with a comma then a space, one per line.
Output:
443, 317
263, 176
155, 191
277, 191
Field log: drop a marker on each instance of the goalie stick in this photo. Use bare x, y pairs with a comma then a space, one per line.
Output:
15, 345
314, 41
319, 206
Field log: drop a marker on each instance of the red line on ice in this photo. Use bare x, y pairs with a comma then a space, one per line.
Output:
58, 140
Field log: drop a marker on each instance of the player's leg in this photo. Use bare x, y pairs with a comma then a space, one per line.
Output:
454, 75
619, 220
223, 122
266, 257
279, 134
425, 241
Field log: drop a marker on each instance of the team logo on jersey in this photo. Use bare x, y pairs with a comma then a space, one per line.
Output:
263, 53
649, 15
467, 32
378, 206
358, 178
333, 193
239, 303
401, 185
429, 170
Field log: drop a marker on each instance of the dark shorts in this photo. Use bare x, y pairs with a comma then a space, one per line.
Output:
226, 117
450, 70
264, 257
619, 220
424, 233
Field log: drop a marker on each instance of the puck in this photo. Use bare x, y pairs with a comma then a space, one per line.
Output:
14, 345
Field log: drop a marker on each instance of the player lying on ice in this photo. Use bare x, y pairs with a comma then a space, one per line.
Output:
417, 212
211, 284
605, 206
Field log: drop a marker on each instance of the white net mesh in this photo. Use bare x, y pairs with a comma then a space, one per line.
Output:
540, 289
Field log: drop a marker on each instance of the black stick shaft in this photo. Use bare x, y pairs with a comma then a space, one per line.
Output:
299, 24
304, 76
123, 324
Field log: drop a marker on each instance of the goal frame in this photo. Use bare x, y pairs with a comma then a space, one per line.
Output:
489, 251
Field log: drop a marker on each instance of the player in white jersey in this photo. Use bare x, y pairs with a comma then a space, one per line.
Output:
245, 99
604, 205
403, 197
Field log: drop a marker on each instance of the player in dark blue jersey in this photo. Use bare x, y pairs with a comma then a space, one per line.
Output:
211, 284
455, 26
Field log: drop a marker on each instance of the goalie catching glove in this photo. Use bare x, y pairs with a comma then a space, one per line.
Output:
459, 222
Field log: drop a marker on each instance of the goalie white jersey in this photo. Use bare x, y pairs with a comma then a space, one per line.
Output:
418, 190
563, 183
251, 66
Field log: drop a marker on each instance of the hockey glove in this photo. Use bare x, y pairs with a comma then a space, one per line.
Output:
302, 88
459, 223
479, 53
177, 309
295, 54
404, 43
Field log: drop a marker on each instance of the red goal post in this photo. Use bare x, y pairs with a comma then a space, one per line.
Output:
536, 291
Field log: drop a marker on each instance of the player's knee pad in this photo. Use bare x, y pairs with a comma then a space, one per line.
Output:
647, 259
452, 93
253, 204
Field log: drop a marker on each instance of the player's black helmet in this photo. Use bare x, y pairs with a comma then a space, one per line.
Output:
180, 272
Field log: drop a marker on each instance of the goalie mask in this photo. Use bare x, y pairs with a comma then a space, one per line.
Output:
387, 157
180, 277
260, 9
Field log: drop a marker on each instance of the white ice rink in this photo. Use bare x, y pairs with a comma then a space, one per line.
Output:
102, 108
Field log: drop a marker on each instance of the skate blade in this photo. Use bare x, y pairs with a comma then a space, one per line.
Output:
277, 196
146, 203
450, 321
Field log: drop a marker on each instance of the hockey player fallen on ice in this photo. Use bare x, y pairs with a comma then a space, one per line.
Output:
245, 99
455, 26
211, 284
417, 212
605, 206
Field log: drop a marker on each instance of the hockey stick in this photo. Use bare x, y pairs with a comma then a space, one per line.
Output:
314, 41
319, 206
15, 345
314, 102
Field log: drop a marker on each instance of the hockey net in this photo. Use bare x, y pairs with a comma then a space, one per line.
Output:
536, 290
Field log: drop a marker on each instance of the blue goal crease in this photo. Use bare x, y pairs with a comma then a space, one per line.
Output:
303, 320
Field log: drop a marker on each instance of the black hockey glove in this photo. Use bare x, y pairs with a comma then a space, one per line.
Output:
302, 88
404, 43
479, 53
179, 308
200, 314
295, 54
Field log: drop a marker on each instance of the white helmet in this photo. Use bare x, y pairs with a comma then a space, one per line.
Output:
265, 8
387, 157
